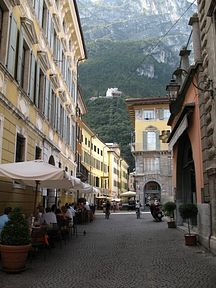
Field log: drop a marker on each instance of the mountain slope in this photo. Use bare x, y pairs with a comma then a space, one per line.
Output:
131, 46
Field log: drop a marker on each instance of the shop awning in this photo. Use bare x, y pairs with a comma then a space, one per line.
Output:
181, 125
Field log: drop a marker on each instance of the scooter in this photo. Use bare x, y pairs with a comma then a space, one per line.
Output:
156, 212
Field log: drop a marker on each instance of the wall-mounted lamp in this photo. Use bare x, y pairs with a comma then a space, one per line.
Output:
172, 88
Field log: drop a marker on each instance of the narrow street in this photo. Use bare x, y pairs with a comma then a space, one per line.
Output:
120, 252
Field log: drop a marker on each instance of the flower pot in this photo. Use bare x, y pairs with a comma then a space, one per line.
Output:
13, 258
190, 239
171, 224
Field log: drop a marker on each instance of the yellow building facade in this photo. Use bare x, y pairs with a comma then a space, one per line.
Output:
107, 171
41, 45
153, 164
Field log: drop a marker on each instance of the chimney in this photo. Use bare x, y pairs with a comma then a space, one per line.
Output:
194, 22
184, 53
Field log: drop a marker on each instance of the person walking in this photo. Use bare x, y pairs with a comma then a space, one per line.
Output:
138, 206
107, 209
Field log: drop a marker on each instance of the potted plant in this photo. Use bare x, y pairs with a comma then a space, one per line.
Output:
169, 208
189, 211
15, 242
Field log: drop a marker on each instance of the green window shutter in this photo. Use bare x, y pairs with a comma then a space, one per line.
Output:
56, 112
46, 103
157, 140
48, 29
20, 56
51, 34
12, 47
32, 78
50, 103
40, 12
161, 114
36, 7
37, 83
145, 134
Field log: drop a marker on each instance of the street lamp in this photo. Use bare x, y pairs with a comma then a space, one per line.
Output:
173, 89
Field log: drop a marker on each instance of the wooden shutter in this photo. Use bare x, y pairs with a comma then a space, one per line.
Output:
40, 11
145, 135
32, 78
157, 140
161, 114
37, 83
12, 47
48, 29
20, 56
46, 102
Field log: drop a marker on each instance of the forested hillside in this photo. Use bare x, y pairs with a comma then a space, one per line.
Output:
130, 46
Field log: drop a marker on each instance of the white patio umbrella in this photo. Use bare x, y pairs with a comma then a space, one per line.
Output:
128, 194
37, 173
28, 172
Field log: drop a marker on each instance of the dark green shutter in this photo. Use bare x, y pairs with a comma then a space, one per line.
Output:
12, 47
20, 55
32, 78
157, 140
36, 96
145, 135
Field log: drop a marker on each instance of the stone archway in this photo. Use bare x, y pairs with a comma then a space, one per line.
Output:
152, 190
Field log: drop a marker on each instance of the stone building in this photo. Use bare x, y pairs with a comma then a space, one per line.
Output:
207, 81
202, 76
153, 163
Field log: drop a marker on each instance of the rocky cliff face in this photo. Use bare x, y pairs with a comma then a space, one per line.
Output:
136, 20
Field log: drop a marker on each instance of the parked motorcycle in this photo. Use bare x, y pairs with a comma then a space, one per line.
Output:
156, 212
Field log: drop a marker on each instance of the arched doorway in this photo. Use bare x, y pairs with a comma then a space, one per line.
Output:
152, 190
186, 180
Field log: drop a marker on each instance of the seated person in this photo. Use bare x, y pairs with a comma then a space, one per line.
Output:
4, 218
48, 217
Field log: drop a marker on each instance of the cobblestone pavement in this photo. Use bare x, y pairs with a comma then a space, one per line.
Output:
122, 252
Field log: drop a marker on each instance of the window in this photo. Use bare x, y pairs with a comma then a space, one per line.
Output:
20, 148
166, 113
95, 149
41, 91
24, 69
12, 48
149, 114
4, 22
38, 153
1, 23
151, 140
151, 165
45, 17
86, 141
1, 134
